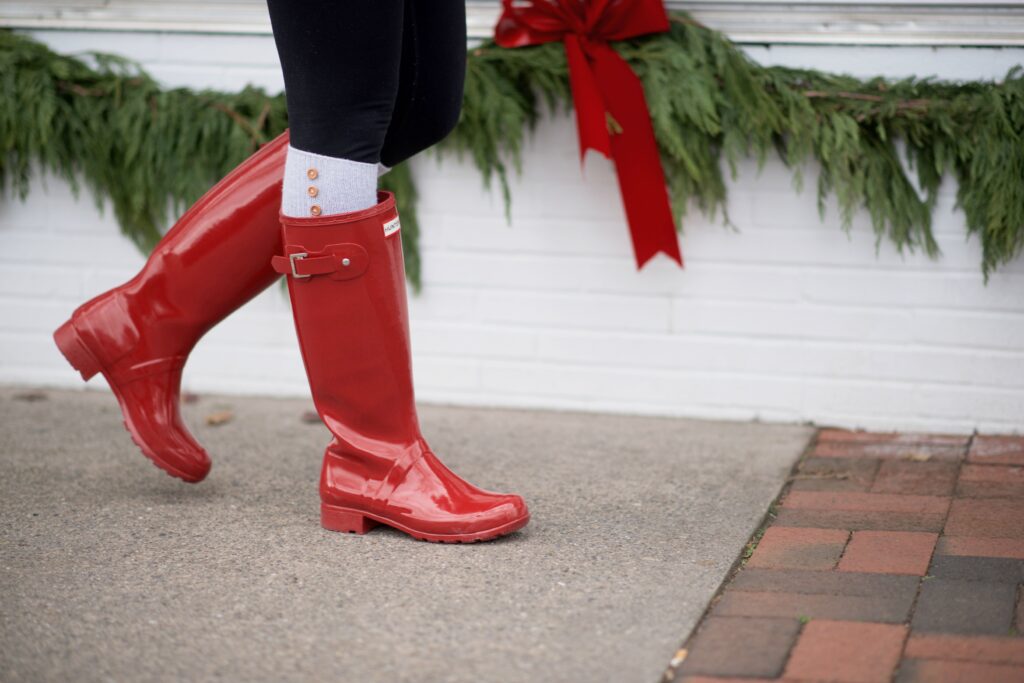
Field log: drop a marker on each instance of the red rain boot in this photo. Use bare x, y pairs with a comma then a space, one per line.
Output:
139, 335
347, 286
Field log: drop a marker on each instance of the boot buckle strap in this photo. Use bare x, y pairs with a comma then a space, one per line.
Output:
292, 258
338, 261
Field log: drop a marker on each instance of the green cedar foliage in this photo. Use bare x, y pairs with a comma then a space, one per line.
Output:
153, 151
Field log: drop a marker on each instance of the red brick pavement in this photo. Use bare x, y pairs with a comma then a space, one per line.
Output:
890, 558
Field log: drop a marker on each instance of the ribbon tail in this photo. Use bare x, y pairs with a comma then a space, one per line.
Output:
591, 125
637, 162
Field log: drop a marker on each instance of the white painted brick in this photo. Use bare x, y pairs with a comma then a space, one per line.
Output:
431, 229
254, 330
827, 245
665, 388
784, 208
96, 280
447, 373
473, 339
953, 402
794, 321
910, 287
785, 318
441, 303
672, 352
947, 218
593, 311
978, 330
913, 363
436, 191
20, 314
866, 61
41, 281
465, 232
245, 365
139, 46
830, 397
32, 351
743, 282
235, 50
514, 272
69, 249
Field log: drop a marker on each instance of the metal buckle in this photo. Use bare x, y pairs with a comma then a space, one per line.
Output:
292, 258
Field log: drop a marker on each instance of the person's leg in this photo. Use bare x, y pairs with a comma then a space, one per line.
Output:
139, 334
348, 293
341, 64
432, 76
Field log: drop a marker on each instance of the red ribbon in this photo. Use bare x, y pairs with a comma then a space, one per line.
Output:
607, 94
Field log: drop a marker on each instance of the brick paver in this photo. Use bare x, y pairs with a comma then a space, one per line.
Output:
972, 607
991, 481
992, 569
865, 502
896, 558
935, 671
858, 436
729, 679
986, 649
1018, 622
846, 652
997, 450
920, 478
888, 586
890, 446
981, 547
988, 517
813, 606
835, 474
729, 646
848, 519
784, 547
888, 552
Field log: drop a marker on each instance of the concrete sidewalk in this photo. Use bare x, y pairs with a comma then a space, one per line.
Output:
111, 570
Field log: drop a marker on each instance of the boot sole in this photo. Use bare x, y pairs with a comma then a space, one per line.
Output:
342, 519
77, 353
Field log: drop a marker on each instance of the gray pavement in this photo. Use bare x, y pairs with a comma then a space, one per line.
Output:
111, 570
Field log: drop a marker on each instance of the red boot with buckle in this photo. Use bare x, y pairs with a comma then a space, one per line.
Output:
347, 286
215, 258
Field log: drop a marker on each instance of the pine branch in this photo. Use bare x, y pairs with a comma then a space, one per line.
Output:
109, 126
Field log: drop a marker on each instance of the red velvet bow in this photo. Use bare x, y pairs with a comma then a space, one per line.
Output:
611, 110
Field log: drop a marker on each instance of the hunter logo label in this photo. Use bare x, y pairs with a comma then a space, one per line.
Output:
392, 226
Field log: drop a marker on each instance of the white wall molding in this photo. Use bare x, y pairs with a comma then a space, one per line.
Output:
935, 22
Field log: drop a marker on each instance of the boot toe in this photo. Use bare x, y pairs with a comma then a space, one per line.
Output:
172, 449
517, 507
190, 463
507, 510
191, 466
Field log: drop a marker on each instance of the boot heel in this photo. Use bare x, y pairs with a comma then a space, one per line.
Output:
335, 518
75, 351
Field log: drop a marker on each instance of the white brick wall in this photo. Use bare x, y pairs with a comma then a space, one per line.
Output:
788, 319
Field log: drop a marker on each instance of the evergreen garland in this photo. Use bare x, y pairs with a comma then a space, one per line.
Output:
112, 127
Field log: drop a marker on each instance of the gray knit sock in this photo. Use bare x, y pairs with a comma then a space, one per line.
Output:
316, 185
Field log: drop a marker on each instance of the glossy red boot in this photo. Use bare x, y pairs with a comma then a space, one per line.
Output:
347, 286
214, 259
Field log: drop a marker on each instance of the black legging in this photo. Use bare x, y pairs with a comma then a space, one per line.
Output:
371, 80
